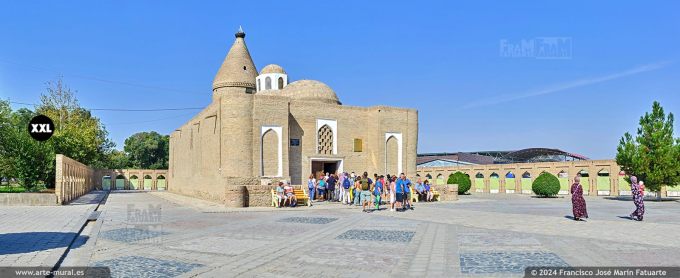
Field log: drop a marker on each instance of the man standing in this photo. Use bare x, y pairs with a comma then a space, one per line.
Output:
346, 184
402, 185
331, 187
366, 189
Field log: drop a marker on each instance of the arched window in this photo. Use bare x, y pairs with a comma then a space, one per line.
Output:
280, 83
268, 83
259, 88
325, 140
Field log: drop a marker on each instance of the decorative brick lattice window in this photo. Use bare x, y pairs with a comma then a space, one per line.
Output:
325, 140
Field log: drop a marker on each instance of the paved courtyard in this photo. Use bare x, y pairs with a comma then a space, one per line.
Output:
160, 234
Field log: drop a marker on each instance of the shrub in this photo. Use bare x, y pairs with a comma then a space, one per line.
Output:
462, 180
546, 185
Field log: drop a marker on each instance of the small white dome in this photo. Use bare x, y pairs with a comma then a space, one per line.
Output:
272, 68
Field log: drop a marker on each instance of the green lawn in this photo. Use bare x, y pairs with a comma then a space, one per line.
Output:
12, 189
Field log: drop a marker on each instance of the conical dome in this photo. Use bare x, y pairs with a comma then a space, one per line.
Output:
238, 69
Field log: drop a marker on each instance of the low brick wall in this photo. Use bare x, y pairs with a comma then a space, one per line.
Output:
28, 199
73, 179
259, 195
447, 192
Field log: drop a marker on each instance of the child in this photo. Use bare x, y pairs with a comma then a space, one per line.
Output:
377, 191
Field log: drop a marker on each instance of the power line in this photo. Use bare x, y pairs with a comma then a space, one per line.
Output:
94, 78
148, 121
124, 109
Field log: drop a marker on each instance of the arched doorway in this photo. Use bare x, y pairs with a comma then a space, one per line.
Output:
106, 182
148, 180
526, 183
479, 182
585, 181
510, 182
134, 182
120, 182
563, 177
440, 179
603, 184
160, 182
494, 183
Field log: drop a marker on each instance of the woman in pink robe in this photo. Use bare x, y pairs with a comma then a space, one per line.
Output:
577, 201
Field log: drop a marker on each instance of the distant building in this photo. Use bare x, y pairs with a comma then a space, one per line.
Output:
496, 157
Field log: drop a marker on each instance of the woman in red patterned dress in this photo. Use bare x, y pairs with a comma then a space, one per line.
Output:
577, 200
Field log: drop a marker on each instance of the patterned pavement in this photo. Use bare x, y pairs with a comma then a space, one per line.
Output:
144, 234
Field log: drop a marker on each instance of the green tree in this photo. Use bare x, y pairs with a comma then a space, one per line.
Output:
117, 160
22, 157
654, 154
546, 185
77, 134
462, 180
148, 150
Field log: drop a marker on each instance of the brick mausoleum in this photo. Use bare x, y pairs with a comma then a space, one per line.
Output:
261, 128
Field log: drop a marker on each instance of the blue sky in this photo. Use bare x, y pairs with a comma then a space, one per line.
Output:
444, 59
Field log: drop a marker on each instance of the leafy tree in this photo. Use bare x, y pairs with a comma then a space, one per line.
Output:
117, 160
148, 150
546, 185
6, 167
77, 134
22, 157
462, 180
654, 154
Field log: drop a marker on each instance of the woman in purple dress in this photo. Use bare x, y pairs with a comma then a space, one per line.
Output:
577, 200
638, 199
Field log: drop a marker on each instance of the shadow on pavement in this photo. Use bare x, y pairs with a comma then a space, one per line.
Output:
18, 243
647, 199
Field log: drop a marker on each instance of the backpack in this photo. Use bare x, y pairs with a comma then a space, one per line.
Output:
346, 184
364, 184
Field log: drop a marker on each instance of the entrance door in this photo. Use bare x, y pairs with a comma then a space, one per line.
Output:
323, 167
106, 183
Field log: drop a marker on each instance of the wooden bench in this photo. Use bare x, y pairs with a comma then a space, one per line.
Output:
414, 195
300, 194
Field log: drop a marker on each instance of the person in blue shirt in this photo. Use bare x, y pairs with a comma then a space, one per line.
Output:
311, 185
378, 191
400, 190
407, 192
428, 191
420, 190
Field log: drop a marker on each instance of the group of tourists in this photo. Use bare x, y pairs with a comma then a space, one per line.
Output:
579, 203
369, 193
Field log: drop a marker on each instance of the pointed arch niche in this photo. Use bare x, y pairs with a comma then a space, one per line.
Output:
394, 136
279, 152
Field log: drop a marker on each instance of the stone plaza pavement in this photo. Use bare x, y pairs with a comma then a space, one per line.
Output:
161, 234
39, 235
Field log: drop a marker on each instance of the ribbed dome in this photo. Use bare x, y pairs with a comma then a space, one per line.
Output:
310, 90
272, 68
238, 69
